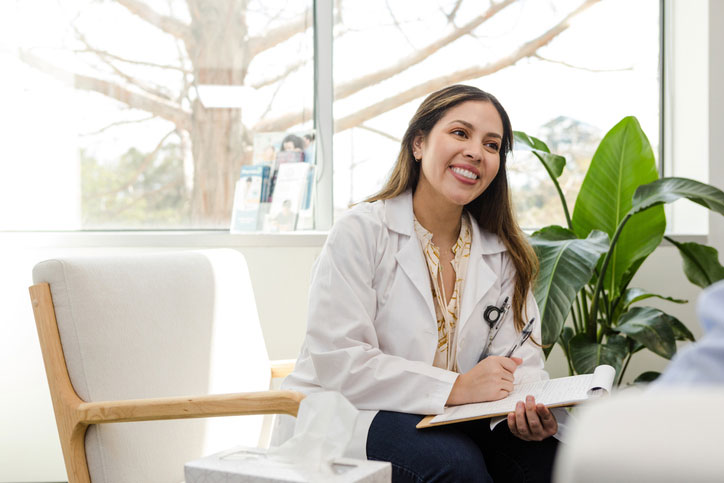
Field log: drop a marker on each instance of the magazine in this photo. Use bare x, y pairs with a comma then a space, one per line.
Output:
248, 195
274, 149
289, 196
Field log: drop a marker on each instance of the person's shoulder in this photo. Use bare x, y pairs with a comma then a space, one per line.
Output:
489, 242
361, 221
363, 214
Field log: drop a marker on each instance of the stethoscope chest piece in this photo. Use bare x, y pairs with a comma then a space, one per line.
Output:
493, 313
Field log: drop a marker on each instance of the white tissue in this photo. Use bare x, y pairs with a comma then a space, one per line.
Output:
324, 427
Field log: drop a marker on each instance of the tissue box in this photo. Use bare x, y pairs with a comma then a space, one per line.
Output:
242, 465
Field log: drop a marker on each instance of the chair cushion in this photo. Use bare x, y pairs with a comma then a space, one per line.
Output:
158, 325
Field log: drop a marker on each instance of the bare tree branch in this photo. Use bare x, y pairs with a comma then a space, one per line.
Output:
271, 80
578, 67
276, 36
167, 24
397, 24
349, 88
526, 50
381, 133
160, 107
102, 53
283, 122
118, 123
154, 91
451, 16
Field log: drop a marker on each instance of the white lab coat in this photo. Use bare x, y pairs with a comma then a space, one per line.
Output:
372, 331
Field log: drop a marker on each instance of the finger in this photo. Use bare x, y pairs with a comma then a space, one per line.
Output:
550, 425
534, 422
520, 420
507, 386
507, 376
509, 363
511, 425
518, 361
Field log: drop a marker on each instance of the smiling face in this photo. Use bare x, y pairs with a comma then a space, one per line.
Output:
460, 155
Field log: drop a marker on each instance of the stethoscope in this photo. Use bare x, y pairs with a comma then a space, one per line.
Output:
493, 316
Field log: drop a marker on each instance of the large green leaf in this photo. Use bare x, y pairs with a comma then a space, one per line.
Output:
666, 190
566, 265
634, 295
701, 263
646, 377
586, 355
554, 163
650, 327
680, 330
623, 161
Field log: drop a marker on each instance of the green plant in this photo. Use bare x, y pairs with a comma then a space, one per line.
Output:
583, 292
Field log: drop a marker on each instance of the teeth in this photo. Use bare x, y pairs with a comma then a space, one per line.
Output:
465, 173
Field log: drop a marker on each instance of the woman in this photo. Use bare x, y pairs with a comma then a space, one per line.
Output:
398, 298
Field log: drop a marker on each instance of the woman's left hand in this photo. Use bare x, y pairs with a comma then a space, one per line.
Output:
531, 421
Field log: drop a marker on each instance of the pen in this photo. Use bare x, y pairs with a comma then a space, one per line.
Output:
524, 334
494, 327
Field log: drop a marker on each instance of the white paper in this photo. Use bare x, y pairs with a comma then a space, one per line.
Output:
553, 392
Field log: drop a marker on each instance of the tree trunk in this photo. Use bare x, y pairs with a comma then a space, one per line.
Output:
219, 56
218, 152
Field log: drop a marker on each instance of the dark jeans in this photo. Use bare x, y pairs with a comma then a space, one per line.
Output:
459, 452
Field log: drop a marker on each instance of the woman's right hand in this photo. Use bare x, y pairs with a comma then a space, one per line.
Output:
491, 379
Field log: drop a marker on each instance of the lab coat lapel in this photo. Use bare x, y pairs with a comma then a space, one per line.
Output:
479, 277
399, 218
412, 262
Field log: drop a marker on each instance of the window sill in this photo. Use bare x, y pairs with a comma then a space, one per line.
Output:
160, 239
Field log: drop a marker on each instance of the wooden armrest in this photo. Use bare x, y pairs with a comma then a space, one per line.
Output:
282, 368
265, 402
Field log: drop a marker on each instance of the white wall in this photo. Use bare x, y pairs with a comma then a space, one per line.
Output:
716, 115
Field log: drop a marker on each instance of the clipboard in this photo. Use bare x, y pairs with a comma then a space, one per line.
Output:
560, 392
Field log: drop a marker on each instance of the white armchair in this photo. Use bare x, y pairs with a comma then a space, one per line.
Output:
150, 337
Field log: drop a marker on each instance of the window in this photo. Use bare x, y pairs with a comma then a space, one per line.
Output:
105, 105
109, 126
566, 71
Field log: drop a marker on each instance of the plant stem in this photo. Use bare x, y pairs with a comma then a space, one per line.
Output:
570, 365
593, 319
560, 193
623, 369
575, 315
581, 320
584, 304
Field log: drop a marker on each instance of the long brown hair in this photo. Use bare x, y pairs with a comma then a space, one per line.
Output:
493, 209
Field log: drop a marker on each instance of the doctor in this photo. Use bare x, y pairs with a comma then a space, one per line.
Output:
398, 298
